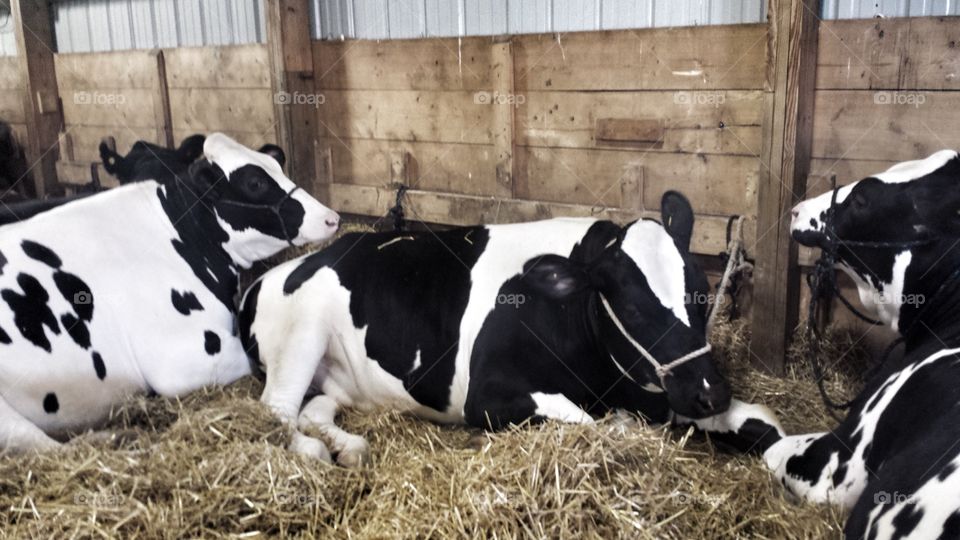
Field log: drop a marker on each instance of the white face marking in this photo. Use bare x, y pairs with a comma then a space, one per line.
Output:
244, 246
706, 385
812, 209
654, 252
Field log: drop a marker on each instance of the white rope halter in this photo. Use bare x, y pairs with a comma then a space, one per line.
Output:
662, 370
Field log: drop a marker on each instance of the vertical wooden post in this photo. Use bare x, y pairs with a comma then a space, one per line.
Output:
785, 156
161, 103
503, 100
295, 97
41, 101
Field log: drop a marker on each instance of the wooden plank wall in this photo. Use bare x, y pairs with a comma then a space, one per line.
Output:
11, 96
530, 127
888, 90
210, 89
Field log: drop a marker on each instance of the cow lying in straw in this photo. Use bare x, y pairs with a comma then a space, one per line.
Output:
132, 290
488, 325
895, 459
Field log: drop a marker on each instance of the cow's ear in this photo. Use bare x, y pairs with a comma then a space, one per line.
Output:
204, 176
554, 276
275, 152
677, 217
191, 148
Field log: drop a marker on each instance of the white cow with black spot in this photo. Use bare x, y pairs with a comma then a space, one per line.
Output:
895, 460
132, 290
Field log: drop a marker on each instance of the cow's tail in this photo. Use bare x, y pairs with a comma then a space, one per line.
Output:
245, 319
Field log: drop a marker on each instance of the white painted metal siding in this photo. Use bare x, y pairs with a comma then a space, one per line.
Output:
864, 9
104, 25
397, 19
109, 25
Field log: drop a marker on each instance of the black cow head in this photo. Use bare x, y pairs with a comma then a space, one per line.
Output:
261, 210
895, 233
651, 299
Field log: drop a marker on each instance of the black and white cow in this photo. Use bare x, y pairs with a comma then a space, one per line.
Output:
895, 459
145, 161
489, 325
132, 290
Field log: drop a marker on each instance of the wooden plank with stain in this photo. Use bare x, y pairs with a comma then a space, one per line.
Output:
687, 58
709, 232
420, 64
222, 109
237, 66
885, 125
413, 115
119, 69
718, 185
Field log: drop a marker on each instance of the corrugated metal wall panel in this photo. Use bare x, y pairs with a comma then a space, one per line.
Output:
104, 25
443, 18
864, 9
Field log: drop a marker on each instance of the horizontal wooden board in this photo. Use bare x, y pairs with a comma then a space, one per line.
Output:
915, 53
121, 69
414, 64
455, 168
131, 107
86, 139
405, 115
226, 109
712, 121
703, 57
11, 106
10, 73
716, 184
246, 138
859, 125
709, 232
238, 66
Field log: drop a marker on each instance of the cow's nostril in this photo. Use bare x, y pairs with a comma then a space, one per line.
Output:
794, 213
332, 222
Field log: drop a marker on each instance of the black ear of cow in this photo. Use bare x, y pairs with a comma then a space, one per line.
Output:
204, 175
275, 152
677, 218
191, 148
554, 276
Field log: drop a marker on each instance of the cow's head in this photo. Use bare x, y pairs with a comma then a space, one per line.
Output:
895, 233
651, 307
261, 210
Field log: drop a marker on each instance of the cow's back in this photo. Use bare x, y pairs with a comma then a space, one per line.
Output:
403, 309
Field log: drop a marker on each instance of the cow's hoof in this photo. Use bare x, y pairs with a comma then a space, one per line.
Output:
355, 453
310, 447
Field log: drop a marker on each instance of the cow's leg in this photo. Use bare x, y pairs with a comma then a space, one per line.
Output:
319, 413
17, 434
290, 370
746, 427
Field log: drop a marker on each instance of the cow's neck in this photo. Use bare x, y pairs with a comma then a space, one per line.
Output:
201, 240
934, 322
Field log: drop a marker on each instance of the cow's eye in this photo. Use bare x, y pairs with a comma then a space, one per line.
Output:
255, 187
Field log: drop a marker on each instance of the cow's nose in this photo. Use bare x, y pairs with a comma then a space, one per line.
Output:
333, 221
794, 213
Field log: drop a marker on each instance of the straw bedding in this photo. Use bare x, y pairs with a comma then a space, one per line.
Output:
212, 464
